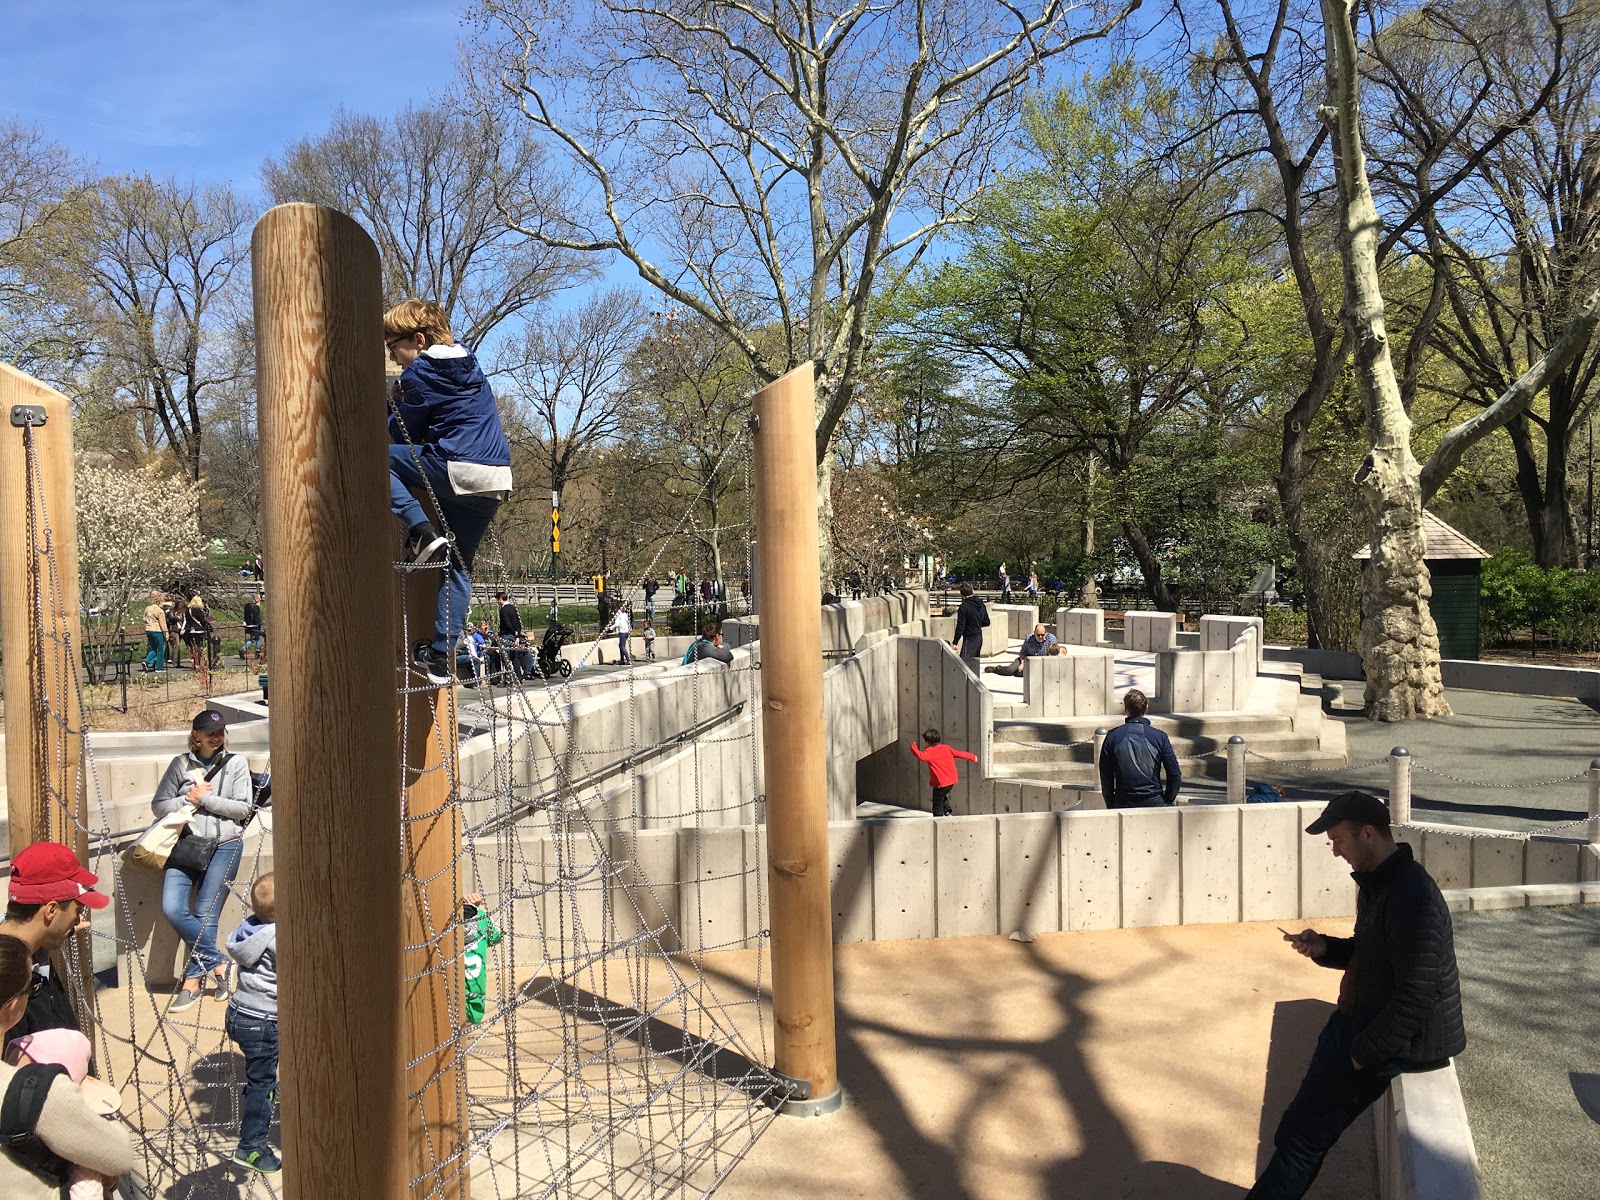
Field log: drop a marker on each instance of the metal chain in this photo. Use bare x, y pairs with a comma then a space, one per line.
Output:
1503, 787
1286, 762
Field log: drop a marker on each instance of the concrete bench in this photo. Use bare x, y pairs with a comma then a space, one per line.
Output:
1081, 626
1150, 631
1077, 684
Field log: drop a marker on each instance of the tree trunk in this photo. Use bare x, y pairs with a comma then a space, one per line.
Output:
825, 520
1399, 643
1150, 566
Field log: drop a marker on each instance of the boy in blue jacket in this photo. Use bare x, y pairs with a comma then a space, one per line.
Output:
448, 439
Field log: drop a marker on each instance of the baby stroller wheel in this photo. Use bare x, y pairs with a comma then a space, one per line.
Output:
564, 667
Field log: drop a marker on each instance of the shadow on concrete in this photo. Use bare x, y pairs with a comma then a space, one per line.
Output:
1295, 1026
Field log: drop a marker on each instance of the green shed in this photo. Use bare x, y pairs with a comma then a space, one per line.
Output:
1454, 563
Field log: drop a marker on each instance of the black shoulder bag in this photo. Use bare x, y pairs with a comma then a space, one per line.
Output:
193, 852
19, 1115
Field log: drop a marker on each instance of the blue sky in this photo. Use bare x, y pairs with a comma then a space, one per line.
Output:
209, 88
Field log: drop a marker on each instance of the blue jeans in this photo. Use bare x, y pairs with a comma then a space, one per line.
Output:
1331, 1096
257, 1039
155, 649
622, 647
466, 518
198, 928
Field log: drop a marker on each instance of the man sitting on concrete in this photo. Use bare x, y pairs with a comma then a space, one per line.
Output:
1036, 646
1133, 759
1399, 1001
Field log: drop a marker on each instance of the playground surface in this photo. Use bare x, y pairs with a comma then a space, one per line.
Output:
1138, 1064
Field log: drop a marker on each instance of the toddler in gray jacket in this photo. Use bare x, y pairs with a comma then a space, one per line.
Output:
252, 1023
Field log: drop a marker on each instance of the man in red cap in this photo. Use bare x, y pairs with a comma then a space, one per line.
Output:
49, 900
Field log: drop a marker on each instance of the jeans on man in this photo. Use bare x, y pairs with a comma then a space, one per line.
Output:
155, 649
466, 518
257, 1039
1331, 1096
198, 927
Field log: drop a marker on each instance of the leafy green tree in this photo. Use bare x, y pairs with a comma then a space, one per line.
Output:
1100, 304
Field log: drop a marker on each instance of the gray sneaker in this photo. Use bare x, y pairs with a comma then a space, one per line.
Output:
185, 999
220, 983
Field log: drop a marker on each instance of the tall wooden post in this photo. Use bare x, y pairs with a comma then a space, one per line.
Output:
435, 985
793, 742
335, 753
43, 634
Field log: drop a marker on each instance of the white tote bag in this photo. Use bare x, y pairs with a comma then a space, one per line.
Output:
156, 843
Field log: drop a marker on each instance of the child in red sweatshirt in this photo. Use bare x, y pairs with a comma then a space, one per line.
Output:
941, 760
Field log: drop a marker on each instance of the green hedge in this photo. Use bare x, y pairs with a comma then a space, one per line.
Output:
1557, 605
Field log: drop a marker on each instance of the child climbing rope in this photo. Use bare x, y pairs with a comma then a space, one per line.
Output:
941, 760
483, 933
449, 446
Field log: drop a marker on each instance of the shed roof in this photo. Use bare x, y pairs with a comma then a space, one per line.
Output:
1443, 542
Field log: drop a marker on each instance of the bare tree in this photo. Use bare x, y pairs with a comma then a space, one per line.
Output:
1514, 248
1399, 641
1260, 59
562, 383
157, 265
446, 195
40, 186
766, 167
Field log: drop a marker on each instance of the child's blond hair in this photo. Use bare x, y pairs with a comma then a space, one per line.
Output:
264, 898
426, 317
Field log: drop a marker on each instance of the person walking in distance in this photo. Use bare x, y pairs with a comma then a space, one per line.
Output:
155, 634
941, 760
624, 631
1399, 1004
1134, 758
972, 618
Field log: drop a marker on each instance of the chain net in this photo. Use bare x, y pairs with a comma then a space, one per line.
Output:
588, 956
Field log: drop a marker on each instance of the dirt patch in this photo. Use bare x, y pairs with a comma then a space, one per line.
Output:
166, 700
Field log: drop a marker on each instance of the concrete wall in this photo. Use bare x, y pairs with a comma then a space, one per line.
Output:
1080, 683
1019, 618
1523, 679
1425, 1147
1150, 630
1080, 626
1208, 680
844, 624
1220, 633
860, 701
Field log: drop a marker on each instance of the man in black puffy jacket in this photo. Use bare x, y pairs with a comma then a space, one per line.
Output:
1399, 1001
972, 618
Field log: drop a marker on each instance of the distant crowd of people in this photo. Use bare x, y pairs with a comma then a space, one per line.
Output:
171, 622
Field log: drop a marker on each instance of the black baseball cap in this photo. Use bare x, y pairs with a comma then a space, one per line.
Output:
1361, 807
209, 721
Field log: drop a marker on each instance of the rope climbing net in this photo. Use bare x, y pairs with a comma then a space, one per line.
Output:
585, 962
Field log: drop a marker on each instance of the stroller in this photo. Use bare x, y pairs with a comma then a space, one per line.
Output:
549, 661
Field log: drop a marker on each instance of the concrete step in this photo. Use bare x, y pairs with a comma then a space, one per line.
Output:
1216, 725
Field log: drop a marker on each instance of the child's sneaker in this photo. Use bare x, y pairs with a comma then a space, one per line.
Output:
434, 665
424, 543
263, 1162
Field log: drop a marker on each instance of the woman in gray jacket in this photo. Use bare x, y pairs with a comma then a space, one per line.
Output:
192, 900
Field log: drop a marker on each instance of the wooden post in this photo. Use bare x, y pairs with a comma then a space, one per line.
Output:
793, 742
435, 983
43, 662
335, 753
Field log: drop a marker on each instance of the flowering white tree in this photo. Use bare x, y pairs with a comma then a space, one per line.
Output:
135, 527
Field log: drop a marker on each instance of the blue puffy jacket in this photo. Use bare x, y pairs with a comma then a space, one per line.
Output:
1133, 759
446, 402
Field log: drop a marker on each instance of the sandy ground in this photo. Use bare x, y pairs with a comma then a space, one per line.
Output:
1138, 1064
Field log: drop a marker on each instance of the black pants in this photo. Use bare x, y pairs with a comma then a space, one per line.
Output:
941, 801
1331, 1096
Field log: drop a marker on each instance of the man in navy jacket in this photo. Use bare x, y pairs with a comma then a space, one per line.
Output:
1133, 759
448, 443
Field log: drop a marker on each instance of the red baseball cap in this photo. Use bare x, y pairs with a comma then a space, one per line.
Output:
47, 871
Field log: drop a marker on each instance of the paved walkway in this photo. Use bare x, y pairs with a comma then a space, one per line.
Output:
1501, 750
1533, 1015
